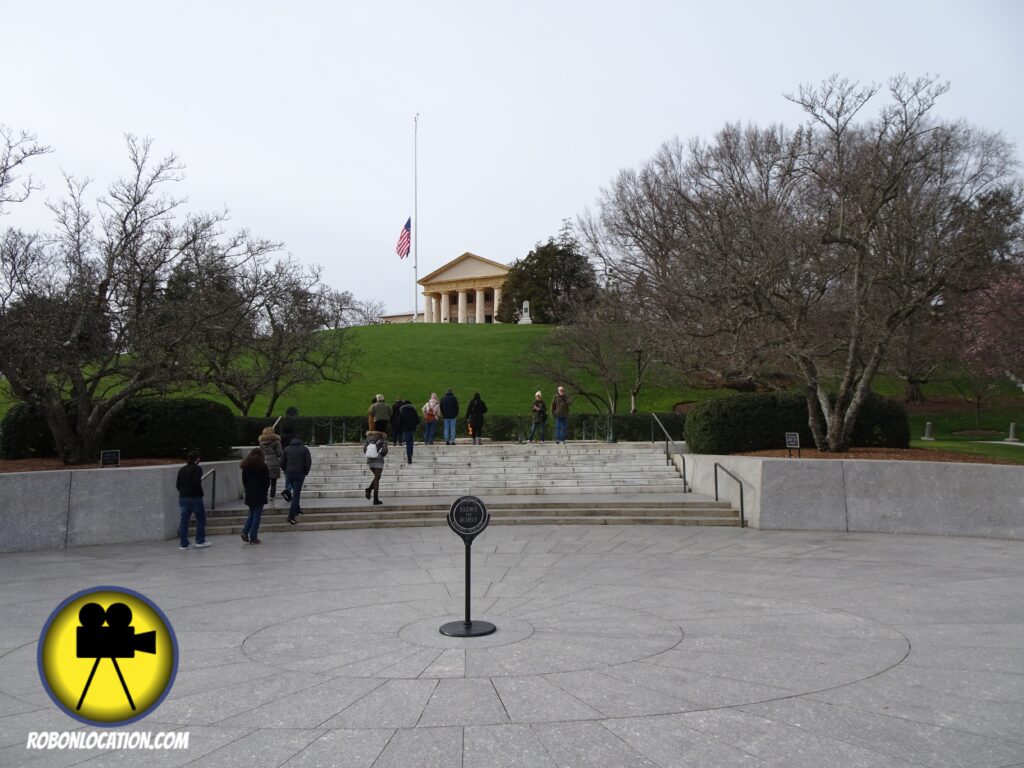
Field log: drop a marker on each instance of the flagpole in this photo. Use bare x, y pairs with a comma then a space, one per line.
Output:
416, 220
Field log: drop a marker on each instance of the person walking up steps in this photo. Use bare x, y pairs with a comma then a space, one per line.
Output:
449, 412
409, 419
270, 444
375, 448
255, 481
296, 463
381, 414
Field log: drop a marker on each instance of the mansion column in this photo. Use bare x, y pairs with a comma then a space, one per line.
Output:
479, 306
435, 304
445, 305
497, 301
428, 308
462, 305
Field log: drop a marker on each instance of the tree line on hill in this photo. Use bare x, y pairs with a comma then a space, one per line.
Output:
812, 257
130, 296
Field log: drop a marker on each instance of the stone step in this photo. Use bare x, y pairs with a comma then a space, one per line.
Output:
453, 491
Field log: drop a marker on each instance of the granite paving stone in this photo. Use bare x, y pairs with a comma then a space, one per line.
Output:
616, 646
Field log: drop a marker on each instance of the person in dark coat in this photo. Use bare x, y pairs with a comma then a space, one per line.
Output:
449, 412
396, 425
539, 411
270, 444
255, 481
409, 418
296, 463
475, 416
190, 502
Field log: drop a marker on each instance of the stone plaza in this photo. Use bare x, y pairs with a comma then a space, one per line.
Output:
616, 646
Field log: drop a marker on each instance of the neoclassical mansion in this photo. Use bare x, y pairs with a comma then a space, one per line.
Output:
465, 290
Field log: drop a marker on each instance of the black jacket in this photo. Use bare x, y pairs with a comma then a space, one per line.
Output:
409, 417
255, 481
190, 481
475, 413
296, 460
449, 406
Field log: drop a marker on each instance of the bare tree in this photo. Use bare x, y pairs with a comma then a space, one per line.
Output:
292, 336
813, 246
16, 149
89, 318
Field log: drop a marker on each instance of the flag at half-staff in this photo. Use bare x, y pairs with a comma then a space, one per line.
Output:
404, 240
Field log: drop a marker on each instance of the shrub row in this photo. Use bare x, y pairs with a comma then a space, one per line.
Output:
759, 421
145, 428
320, 430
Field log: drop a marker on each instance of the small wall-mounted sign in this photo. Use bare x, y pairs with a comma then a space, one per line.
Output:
110, 458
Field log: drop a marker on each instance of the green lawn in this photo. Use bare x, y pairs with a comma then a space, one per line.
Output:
415, 360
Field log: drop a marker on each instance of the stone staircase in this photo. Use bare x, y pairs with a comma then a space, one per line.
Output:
577, 483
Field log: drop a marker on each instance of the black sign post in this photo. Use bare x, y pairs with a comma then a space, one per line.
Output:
468, 517
793, 441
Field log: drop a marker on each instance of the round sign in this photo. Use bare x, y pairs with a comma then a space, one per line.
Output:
468, 516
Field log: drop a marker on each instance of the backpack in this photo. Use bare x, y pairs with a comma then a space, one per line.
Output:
376, 449
429, 415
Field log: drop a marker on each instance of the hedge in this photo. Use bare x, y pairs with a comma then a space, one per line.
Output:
145, 428
759, 421
321, 430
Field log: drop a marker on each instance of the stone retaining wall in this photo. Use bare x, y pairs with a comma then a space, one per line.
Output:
80, 507
870, 496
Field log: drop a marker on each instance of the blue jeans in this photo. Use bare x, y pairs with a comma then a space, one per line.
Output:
408, 436
543, 430
296, 483
188, 506
252, 523
449, 431
561, 428
429, 427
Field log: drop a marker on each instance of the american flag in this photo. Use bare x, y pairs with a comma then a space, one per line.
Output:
402, 249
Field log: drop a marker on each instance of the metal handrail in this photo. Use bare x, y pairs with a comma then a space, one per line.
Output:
668, 455
213, 495
743, 518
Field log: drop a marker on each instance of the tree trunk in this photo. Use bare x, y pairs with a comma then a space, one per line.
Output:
913, 393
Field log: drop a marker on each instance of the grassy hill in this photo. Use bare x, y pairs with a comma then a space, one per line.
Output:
415, 360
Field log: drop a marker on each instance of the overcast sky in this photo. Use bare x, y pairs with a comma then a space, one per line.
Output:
299, 116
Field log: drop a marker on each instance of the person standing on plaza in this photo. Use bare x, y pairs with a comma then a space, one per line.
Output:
375, 448
408, 419
270, 444
431, 415
475, 416
255, 481
539, 411
560, 410
449, 412
296, 463
190, 502
381, 414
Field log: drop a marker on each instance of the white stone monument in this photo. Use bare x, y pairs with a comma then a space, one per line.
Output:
524, 316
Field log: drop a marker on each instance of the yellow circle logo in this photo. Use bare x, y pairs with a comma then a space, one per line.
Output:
107, 656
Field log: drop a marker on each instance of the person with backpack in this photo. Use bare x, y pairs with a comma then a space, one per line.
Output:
449, 412
475, 416
375, 448
560, 410
408, 419
431, 413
